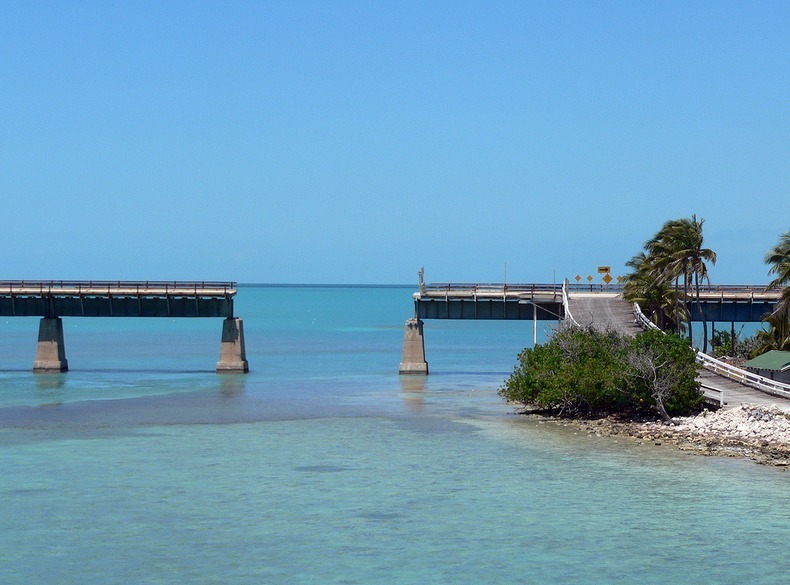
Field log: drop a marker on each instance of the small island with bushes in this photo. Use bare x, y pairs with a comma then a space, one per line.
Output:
645, 386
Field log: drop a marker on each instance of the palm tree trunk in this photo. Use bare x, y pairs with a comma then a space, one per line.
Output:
677, 305
702, 314
704, 318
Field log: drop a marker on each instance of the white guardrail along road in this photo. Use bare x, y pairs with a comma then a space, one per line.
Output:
723, 369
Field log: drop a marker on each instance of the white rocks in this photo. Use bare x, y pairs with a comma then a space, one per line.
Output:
747, 421
761, 433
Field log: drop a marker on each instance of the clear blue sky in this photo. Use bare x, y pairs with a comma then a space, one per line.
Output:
353, 142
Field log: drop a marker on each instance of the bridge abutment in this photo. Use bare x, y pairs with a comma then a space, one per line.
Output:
232, 353
51, 349
413, 359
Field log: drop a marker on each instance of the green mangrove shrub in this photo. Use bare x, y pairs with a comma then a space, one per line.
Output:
584, 371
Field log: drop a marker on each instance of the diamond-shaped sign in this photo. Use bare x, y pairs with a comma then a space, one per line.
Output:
608, 278
590, 278
619, 279
578, 278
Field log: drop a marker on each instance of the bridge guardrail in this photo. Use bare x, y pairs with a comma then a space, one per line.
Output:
50, 287
641, 319
713, 393
724, 369
528, 287
566, 308
595, 287
744, 376
708, 289
590, 287
440, 287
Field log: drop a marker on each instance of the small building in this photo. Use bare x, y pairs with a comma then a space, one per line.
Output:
773, 364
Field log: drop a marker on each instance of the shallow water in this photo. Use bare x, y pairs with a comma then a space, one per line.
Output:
324, 466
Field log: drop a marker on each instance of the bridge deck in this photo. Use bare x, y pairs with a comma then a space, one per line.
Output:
53, 299
603, 311
734, 393
722, 303
60, 298
121, 288
727, 292
516, 302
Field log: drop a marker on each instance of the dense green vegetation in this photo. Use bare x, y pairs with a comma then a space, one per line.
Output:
589, 372
724, 345
778, 337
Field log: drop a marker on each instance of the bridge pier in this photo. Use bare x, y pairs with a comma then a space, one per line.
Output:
413, 359
232, 353
51, 349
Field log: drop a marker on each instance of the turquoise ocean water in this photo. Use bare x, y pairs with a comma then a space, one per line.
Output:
141, 465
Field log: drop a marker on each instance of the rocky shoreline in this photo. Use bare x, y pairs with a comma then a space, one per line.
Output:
757, 432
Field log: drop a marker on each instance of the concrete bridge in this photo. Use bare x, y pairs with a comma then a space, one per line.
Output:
718, 303
54, 299
597, 306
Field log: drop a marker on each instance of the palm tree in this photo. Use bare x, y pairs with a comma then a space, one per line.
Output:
658, 300
779, 259
777, 337
677, 251
697, 256
664, 267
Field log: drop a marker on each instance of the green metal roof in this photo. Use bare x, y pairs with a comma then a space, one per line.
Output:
771, 360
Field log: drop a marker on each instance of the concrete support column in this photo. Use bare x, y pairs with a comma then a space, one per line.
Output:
732, 338
232, 354
413, 360
51, 351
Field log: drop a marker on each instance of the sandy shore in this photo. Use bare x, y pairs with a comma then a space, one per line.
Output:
757, 432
